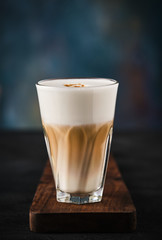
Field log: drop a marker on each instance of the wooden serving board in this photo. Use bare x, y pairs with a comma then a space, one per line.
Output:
115, 213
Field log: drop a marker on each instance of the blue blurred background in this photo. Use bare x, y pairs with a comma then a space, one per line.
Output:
119, 39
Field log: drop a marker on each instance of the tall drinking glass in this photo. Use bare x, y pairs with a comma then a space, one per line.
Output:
77, 118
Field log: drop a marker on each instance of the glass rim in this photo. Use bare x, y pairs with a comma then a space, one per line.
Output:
113, 82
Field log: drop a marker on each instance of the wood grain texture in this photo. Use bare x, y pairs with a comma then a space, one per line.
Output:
115, 213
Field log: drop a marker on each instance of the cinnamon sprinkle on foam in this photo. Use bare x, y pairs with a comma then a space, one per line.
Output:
74, 85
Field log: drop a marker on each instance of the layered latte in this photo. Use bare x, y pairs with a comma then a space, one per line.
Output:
77, 117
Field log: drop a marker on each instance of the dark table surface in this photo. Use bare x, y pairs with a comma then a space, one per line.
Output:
23, 156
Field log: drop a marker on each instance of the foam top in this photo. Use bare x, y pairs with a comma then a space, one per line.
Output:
77, 101
78, 82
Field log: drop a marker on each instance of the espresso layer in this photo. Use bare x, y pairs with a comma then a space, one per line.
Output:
77, 155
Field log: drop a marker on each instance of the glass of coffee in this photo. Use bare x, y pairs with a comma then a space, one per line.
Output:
77, 118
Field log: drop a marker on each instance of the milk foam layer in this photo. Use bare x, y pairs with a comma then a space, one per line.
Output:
93, 103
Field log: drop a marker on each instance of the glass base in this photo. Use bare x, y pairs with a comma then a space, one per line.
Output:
92, 197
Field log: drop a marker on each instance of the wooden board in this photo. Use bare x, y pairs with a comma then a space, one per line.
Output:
115, 213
